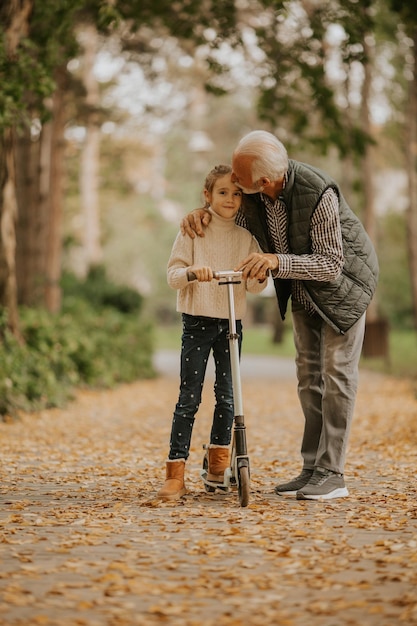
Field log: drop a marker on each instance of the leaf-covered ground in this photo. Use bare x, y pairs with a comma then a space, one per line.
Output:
83, 541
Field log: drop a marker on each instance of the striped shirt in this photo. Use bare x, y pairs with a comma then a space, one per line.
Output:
324, 263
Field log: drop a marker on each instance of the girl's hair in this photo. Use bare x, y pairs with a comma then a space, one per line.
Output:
217, 172
270, 156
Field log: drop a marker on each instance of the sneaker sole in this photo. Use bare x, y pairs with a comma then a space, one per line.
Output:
285, 493
342, 492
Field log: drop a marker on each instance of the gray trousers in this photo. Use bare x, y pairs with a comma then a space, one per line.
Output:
327, 373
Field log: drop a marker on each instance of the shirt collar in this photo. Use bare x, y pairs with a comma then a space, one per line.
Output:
267, 200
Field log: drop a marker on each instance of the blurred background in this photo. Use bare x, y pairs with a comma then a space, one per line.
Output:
111, 114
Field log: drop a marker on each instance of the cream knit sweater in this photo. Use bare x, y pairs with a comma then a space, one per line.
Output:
222, 247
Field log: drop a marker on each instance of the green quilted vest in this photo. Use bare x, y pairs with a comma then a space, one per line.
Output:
340, 302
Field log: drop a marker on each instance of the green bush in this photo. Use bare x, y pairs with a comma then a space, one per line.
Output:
101, 292
31, 379
86, 344
110, 347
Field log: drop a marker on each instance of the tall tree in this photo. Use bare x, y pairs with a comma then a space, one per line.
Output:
39, 155
14, 15
408, 15
51, 30
90, 156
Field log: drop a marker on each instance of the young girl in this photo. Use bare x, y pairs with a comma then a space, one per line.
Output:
205, 319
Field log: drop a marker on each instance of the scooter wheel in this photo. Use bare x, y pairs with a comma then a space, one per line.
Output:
208, 488
244, 485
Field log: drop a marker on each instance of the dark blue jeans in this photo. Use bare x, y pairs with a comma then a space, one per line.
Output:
200, 336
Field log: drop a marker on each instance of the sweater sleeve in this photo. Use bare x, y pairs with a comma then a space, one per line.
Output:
181, 258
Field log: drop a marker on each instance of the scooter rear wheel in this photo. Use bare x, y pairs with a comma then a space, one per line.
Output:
244, 485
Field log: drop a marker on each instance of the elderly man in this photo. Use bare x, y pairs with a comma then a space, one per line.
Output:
321, 258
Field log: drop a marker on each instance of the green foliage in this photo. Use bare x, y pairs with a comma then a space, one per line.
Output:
296, 93
27, 73
101, 292
394, 289
186, 19
31, 377
401, 360
87, 344
20, 75
408, 13
107, 347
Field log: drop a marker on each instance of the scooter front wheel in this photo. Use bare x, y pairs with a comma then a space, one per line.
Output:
244, 485
208, 488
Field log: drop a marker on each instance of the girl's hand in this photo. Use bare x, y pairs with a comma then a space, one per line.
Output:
202, 274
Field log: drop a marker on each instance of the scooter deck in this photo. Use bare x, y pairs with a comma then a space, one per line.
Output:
228, 481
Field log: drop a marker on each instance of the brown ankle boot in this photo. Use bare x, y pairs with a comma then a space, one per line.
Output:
174, 487
218, 462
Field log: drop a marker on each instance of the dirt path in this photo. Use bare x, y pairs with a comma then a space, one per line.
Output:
84, 542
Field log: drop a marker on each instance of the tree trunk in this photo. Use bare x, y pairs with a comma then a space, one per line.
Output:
368, 164
53, 255
14, 17
411, 149
8, 214
30, 253
89, 197
90, 156
39, 193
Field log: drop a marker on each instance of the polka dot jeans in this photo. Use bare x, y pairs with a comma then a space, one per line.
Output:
200, 336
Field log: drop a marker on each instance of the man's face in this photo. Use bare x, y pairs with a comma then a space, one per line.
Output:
242, 174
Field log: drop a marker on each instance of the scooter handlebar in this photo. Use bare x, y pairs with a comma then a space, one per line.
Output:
227, 275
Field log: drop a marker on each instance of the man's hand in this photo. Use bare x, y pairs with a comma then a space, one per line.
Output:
256, 265
195, 222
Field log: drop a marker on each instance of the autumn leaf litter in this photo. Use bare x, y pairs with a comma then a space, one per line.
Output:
85, 541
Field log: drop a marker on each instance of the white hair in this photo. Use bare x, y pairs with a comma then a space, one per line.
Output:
270, 155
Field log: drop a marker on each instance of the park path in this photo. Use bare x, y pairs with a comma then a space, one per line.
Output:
83, 541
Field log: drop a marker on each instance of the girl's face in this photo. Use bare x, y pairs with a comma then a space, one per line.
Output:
225, 198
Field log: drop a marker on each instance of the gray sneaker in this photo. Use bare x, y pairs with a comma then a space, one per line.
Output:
291, 488
323, 485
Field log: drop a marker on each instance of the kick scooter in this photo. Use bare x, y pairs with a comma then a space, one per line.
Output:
238, 474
